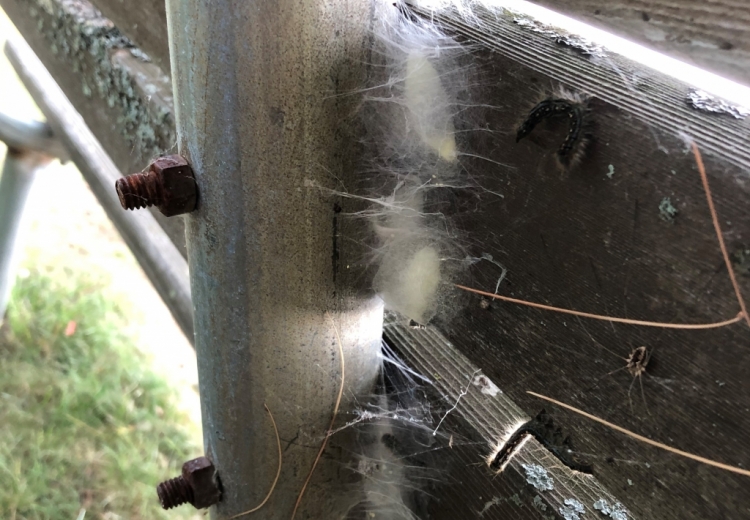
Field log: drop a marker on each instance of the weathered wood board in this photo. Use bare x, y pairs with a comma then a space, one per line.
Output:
713, 35
601, 239
144, 22
473, 416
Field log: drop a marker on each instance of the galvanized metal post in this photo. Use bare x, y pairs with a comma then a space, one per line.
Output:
15, 184
30, 147
261, 118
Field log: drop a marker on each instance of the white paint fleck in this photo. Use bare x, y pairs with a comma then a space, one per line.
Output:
615, 511
486, 386
611, 172
538, 477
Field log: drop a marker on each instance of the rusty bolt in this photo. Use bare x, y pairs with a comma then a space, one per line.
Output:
198, 485
168, 184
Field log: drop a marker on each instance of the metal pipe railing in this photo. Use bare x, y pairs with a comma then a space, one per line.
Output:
261, 119
155, 252
31, 146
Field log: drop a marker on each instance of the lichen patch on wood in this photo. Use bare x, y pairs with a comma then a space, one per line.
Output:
111, 68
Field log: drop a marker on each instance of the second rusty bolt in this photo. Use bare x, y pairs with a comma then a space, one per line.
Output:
197, 485
168, 184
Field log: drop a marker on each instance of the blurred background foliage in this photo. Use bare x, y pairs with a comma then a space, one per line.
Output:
98, 386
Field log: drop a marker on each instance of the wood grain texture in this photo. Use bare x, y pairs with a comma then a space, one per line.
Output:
714, 35
480, 420
124, 100
593, 239
144, 22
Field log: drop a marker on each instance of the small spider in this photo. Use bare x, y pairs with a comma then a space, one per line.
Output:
637, 361
636, 365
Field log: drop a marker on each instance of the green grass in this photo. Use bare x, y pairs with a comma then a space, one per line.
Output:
85, 424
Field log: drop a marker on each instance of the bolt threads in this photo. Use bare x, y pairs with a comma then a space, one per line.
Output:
139, 190
174, 492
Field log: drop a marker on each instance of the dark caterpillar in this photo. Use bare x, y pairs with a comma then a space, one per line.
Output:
543, 430
573, 147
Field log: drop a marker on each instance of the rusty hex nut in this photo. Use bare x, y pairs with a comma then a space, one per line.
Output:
180, 193
201, 475
168, 184
198, 485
